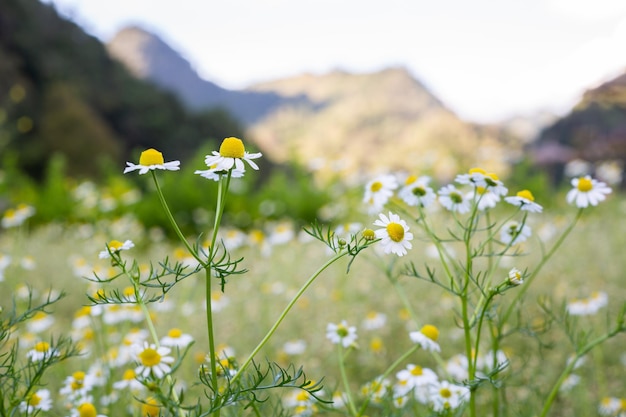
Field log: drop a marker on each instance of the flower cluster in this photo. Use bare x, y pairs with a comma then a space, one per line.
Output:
486, 190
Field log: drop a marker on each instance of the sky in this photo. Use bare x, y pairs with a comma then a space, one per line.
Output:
487, 60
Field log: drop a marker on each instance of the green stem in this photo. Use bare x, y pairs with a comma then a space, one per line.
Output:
464, 294
153, 334
282, 316
568, 369
210, 332
344, 378
387, 372
172, 221
221, 198
536, 271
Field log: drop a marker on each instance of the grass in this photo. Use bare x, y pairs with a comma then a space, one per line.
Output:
590, 260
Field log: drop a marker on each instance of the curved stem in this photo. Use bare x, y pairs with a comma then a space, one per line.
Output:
570, 367
282, 316
172, 221
536, 271
344, 378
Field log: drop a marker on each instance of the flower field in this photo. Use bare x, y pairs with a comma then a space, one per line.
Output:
458, 299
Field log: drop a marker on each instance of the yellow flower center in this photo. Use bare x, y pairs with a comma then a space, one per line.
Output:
129, 374
376, 344
129, 292
376, 186
34, 400
150, 408
342, 331
417, 371
526, 194
151, 157
40, 315
456, 198
150, 357
115, 245
395, 231
232, 148
481, 190
410, 180
584, 184
445, 393
42, 346
175, 333
87, 410
419, 191
83, 311
477, 171
302, 396
493, 176
430, 332
368, 234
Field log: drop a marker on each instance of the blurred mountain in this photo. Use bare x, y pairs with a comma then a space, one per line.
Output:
339, 123
594, 131
150, 58
387, 120
61, 93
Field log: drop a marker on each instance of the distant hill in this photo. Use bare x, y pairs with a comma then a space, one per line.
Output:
343, 123
150, 58
61, 93
594, 130
387, 120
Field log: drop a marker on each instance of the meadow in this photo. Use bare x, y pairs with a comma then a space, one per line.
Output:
366, 315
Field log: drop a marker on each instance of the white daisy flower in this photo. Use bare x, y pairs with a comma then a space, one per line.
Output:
377, 389
231, 155
427, 338
152, 360
15, 217
395, 234
453, 200
281, 233
341, 333
213, 173
516, 277
129, 382
587, 306
416, 192
294, 347
587, 191
374, 320
149, 160
414, 377
77, 386
40, 321
513, 233
219, 301
456, 367
176, 338
41, 351
610, 406
478, 177
525, 201
38, 401
115, 246
484, 197
490, 361
378, 191
445, 396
